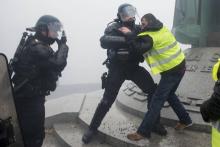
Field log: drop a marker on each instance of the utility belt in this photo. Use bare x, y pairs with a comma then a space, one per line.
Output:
38, 90
30, 90
122, 54
7, 135
119, 55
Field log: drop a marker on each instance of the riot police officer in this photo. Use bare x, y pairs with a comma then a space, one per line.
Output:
123, 65
37, 68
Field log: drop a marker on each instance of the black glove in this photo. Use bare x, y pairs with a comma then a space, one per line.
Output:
63, 39
210, 109
217, 88
204, 111
62, 52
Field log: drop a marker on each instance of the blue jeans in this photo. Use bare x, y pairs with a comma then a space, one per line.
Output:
165, 92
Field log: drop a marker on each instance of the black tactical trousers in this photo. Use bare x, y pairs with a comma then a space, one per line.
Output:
116, 76
31, 116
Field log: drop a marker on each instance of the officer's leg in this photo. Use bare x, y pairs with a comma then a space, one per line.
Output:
145, 82
114, 82
31, 116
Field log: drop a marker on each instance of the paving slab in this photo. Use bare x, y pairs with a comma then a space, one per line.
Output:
63, 109
51, 140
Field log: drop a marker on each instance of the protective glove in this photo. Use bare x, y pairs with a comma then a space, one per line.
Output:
210, 109
62, 51
61, 56
204, 111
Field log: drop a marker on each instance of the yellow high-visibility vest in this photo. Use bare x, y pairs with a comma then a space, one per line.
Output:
165, 53
216, 125
216, 134
215, 71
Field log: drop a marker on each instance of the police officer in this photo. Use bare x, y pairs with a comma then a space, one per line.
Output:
210, 109
37, 68
123, 65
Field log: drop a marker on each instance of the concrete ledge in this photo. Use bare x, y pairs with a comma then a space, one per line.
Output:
64, 109
59, 138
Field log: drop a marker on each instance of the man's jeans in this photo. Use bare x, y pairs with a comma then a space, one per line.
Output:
165, 92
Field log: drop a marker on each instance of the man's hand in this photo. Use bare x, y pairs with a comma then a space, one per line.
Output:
124, 30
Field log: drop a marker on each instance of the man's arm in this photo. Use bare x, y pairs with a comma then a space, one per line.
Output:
140, 44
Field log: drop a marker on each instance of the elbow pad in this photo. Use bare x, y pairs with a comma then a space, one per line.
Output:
112, 39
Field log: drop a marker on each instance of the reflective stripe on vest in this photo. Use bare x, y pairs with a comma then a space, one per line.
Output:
165, 53
216, 134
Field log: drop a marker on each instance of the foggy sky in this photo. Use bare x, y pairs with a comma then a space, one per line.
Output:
84, 22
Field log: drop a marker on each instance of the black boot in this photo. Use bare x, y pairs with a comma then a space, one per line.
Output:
87, 137
100, 113
160, 130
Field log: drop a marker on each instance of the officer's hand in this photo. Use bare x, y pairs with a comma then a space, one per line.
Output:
61, 56
61, 42
204, 111
124, 30
63, 47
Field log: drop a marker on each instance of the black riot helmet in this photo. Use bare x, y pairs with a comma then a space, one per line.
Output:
126, 12
50, 25
126, 15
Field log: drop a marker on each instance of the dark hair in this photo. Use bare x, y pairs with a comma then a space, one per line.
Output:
153, 23
149, 17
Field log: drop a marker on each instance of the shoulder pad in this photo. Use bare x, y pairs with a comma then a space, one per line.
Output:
111, 27
39, 48
36, 42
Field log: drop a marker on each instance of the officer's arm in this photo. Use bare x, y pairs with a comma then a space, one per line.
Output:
113, 38
210, 109
47, 60
113, 42
60, 57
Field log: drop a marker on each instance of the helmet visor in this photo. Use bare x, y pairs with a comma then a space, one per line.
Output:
127, 13
55, 29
